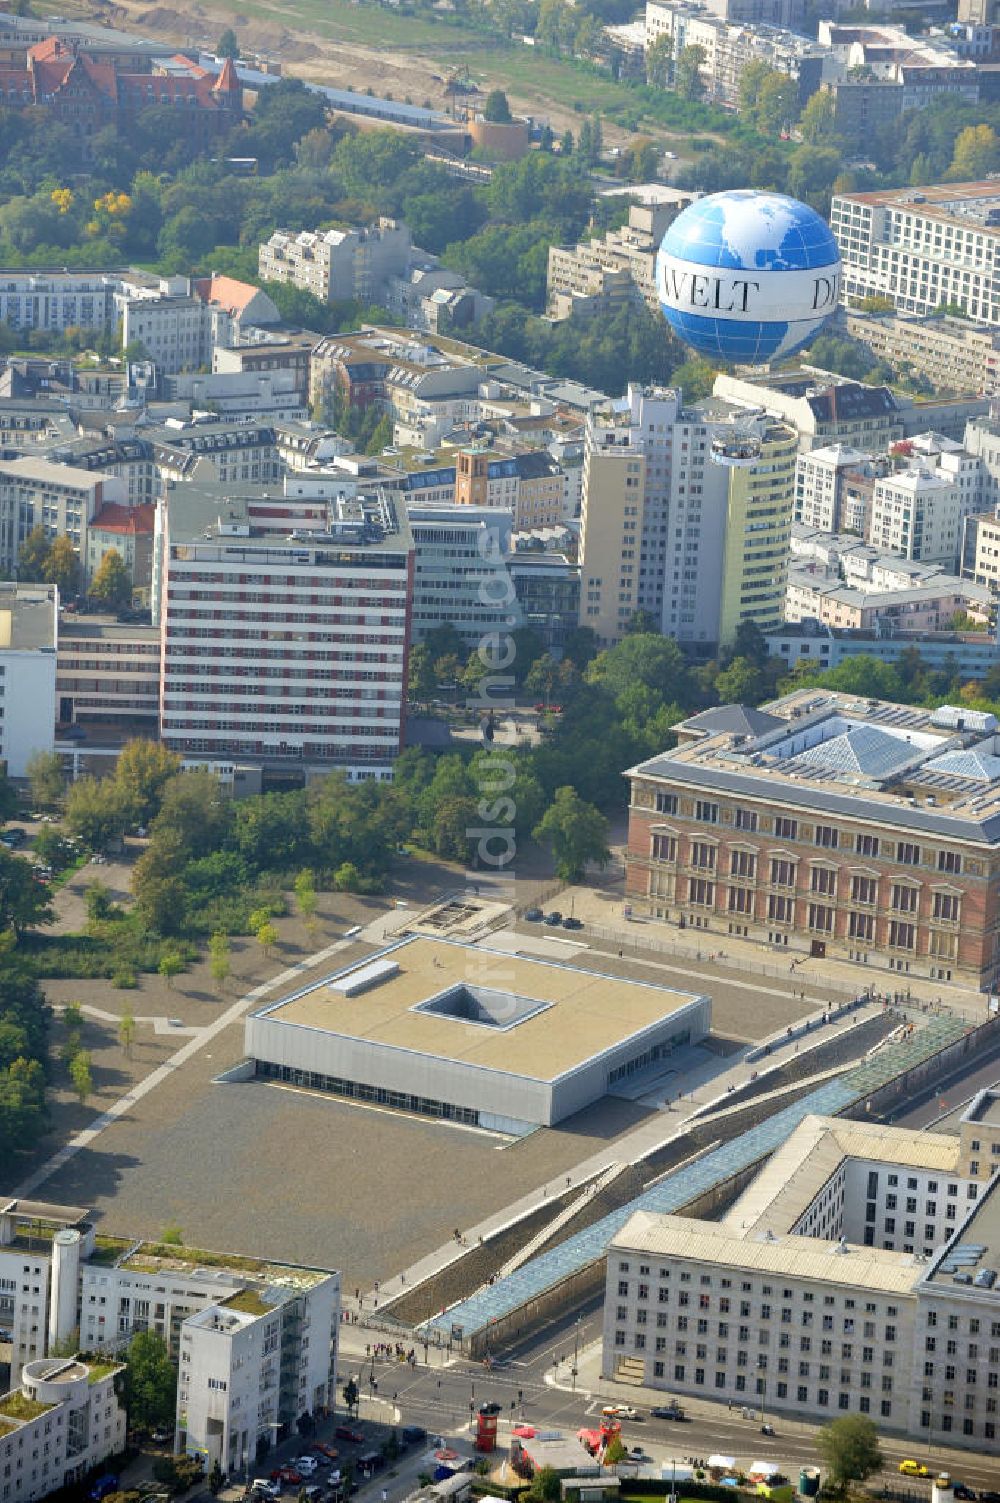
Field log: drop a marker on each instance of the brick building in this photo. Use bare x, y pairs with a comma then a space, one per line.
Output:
828, 825
87, 93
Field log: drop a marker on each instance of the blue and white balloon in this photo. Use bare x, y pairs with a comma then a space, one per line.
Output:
748, 277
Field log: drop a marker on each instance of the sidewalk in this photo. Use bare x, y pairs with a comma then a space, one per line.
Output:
690, 1093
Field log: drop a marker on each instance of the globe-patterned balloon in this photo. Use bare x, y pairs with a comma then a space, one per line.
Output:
748, 277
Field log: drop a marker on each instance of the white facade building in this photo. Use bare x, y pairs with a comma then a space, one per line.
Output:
457, 568
922, 247
59, 497
61, 1282
76, 1420
352, 265
56, 300
285, 627
29, 627
918, 513
857, 1273
819, 490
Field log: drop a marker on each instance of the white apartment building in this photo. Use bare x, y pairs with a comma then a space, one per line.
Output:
669, 526
63, 1421
212, 450
56, 300
820, 490
459, 576
857, 1273
352, 265
922, 247
729, 43
59, 497
918, 513
29, 628
62, 1282
284, 632
180, 321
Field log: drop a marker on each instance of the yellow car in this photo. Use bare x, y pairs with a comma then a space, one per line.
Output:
914, 1469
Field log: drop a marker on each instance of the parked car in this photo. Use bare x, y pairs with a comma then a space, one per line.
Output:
306, 1465
621, 1412
553, 920
13, 837
412, 1435
572, 923
287, 1474
265, 1488
963, 1493
989, 1496
103, 1486
668, 1412
348, 1433
911, 1468
325, 1449
533, 915
161, 1435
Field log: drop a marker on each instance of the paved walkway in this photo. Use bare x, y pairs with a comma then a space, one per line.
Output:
705, 1084
202, 1037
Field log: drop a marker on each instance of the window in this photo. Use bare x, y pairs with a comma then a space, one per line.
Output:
949, 861
666, 803
904, 897
861, 926
782, 873
907, 854
820, 918
742, 864
706, 811
746, 819
828, 836
740, 900
701, 892
780, 910
703, 855
864, 889
866, 845
947, 905
786, 829
824, 880
901, 936
664, 848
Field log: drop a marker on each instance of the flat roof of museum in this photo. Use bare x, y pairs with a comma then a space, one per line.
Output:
552, 1018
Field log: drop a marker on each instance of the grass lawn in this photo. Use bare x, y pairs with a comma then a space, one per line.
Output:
368, 24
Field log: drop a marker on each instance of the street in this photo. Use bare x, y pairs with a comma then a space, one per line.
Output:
532, 1381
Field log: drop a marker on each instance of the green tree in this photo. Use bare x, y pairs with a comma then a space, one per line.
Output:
112, 582
24, 901
688, 82
305, 894
172, 1235
267, 938
741, 683
95, 811
45, 778
80, 1074
62, 568
227, 45
614, 1451
818, 121
33, 558
170, 966
126, 1031
849, 1447
777, 103
660, 62
546, 1486
381, 435
218, 959
577, 833
977, 154
497, 107
150, 1382
143, 770
641, 160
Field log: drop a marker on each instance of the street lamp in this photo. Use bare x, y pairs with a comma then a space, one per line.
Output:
576, 1350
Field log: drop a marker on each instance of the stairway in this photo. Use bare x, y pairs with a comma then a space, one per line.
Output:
630, 1370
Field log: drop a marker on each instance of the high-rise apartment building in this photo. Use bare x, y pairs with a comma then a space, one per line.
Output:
686, 515
284, 635
353, 264
922, 247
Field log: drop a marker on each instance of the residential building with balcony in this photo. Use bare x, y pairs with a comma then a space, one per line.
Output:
255, 1341
350, 265
831, 826
66, 1417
